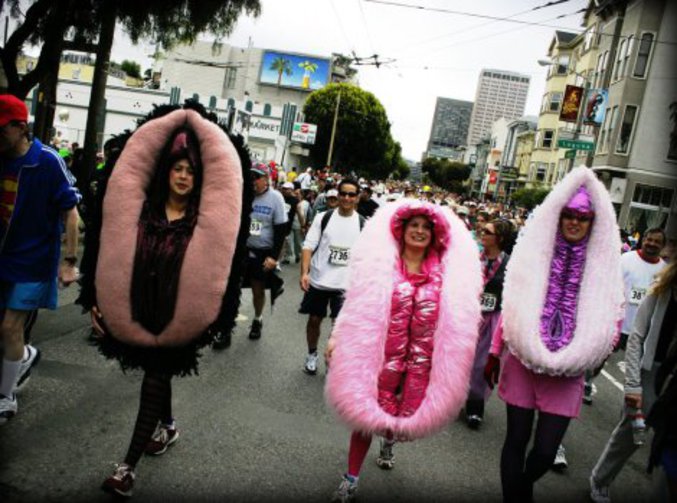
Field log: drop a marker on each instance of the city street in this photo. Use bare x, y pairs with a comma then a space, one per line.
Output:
254, 427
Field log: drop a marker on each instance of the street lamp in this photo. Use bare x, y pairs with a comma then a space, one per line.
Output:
581, 107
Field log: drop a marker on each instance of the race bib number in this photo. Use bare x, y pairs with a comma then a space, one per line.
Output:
488, 302
637, 295
255, 227
338, 255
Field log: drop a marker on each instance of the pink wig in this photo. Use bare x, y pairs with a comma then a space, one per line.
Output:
206, 265
362, 325
600, 297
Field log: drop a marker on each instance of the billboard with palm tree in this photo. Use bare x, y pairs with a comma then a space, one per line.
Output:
298, 71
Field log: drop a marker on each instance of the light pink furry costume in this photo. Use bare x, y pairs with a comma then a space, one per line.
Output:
362, 327
600, 298
204, 273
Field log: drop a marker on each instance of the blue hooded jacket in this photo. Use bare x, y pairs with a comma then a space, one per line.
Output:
30, 248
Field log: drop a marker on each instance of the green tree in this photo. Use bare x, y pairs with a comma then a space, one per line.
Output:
529, 198
131, 68
362, 141
446, 174
281, 65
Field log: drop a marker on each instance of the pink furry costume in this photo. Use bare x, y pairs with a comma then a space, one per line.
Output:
396, 329
207, 295
576, 324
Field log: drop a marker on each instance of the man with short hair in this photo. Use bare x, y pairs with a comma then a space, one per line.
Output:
291, 204
325, 257
37, 195
267, 230
366, 205
306, 179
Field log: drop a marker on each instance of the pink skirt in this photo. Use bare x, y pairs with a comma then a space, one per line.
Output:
552, 394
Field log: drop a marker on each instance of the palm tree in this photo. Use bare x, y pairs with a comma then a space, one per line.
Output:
308, 68
281, 65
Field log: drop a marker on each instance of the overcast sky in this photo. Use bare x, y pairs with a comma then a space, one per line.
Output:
435, 53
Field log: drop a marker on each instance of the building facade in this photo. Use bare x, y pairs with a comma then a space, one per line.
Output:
449, 129
499, 94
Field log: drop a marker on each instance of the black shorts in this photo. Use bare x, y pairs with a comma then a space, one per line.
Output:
315, 302
255, 259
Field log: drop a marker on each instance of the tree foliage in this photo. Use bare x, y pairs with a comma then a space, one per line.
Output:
446, 174
131, 68
362, 142
529, 198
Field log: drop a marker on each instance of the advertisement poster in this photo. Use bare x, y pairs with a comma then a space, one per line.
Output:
304, 132
595, 107
571, 103
296, 71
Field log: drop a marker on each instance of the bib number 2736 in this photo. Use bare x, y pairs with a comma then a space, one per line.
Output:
339, 256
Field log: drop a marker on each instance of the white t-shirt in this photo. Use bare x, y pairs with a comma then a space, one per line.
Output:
305, 180
329, 265
638, 274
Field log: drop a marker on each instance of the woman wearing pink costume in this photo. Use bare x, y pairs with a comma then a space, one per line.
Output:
572, 241
386, 362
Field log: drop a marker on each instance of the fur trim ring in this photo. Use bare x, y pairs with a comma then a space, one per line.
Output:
362, 326
204, 273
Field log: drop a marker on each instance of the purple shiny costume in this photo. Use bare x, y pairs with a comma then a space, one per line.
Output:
558, 319
409, 344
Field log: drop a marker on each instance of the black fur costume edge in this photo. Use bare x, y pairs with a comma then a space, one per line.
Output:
182, 360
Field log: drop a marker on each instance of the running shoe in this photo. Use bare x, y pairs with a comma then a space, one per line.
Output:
587, 394
221, 340
27, 365
474, 421
599, 494
310, 366
121, 482
164, 436
347, 490
8, 408
386, 458
560, 464
255, 331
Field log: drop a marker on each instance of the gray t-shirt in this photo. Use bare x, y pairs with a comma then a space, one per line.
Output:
268, 209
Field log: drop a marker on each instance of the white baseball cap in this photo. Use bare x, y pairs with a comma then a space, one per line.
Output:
288, 185
332, 193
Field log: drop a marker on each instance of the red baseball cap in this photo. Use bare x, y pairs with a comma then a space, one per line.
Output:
12, 109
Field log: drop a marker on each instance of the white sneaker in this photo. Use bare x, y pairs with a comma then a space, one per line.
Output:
27, 365
8, 408
310, 366
346, 492
599, 494
560, 464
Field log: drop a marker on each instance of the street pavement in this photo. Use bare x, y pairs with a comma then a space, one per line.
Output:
254, 427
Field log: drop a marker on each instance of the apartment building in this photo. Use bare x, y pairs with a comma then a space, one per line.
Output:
499, 94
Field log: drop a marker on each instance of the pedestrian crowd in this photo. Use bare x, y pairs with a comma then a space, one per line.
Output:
434, 298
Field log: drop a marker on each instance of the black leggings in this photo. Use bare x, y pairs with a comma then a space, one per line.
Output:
155, 405
518, 477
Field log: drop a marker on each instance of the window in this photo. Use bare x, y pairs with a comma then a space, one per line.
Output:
611, 127
562, 66
589, 38
548, 137
652, 195
672, 149
266, 109
622, 57
602, 61
627, 126
555, 101
229, 81
643, 54
541, 171
231, 103
249, 106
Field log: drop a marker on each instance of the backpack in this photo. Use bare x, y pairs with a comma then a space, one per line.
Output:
327, 215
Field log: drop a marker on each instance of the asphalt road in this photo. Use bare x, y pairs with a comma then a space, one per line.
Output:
255, 428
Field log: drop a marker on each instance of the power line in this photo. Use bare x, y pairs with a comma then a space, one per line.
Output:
366, 27
340, 24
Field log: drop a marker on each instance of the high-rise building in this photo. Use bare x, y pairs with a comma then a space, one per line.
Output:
450, 127
499, 94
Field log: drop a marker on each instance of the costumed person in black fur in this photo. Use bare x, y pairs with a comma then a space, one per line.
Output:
155, 287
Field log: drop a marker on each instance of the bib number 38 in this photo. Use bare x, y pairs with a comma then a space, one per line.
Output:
255, 227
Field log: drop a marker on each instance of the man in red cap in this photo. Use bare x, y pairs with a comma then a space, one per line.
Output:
37, 196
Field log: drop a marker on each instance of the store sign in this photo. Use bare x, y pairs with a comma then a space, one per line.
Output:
264, 127
571, 103
303, 132
595, 107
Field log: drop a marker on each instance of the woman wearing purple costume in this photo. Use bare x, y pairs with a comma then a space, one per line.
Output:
542, 369
495, 237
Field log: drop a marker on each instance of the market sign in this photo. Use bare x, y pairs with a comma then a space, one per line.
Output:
576, 144
264, 127
571, 103
303, 132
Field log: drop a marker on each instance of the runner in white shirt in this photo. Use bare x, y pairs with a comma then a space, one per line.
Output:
324, 272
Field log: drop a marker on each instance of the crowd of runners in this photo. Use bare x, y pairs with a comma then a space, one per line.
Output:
434, 298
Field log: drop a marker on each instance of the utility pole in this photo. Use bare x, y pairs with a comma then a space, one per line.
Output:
333, 129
